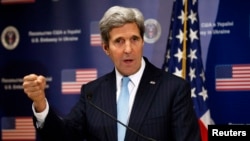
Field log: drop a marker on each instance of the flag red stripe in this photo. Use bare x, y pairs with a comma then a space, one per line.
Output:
16, 1
95, 40
240, 80
82, 76
204, 131
24, 130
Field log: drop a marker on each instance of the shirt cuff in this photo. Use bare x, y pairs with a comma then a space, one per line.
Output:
41, 115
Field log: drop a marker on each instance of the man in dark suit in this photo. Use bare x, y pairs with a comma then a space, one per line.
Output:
159, 108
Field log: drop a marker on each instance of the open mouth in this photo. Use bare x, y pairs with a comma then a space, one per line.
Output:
128, 60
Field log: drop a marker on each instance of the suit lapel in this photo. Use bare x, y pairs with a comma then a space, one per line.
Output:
108, 90
144, 97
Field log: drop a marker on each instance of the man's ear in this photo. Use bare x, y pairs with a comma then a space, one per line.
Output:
105, 48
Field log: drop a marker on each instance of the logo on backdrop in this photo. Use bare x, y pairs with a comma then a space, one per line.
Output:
72, 79
17, 128
152, 31
233, 77
95, 36
10, 37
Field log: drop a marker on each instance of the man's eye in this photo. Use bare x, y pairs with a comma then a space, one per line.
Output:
119, 42
135, 39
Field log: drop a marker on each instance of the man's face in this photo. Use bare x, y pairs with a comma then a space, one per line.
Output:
125, 48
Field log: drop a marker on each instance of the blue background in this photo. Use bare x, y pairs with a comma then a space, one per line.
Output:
49, 59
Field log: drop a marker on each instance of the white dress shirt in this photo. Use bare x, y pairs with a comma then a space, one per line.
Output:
132, 85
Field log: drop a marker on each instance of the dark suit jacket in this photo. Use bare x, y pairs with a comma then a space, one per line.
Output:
162, 110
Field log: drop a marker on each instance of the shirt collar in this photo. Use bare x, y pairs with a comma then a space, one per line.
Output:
135, 78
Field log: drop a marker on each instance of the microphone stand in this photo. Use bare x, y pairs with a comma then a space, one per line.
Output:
111, 116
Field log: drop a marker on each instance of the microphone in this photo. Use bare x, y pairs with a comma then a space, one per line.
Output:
89, 97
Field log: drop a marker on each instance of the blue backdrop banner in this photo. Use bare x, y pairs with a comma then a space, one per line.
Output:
60, 39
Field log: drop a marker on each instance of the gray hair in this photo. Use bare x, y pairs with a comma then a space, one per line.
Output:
117, 16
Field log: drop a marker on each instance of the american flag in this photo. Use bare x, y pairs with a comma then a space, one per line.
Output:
183, 57
95, 36
18, 129
16, 1
72, 79
234, 77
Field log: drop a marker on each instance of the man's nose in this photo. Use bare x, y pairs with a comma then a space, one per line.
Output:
128, 47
